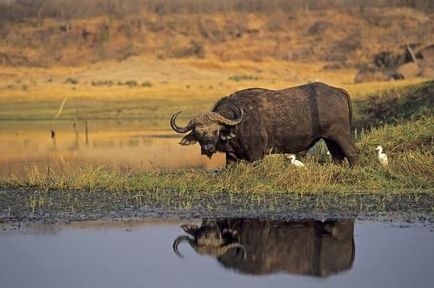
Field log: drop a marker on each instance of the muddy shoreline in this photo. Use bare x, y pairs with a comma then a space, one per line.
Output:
23, 205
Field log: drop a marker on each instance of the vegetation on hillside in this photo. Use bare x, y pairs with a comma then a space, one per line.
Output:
345, 33
395, 105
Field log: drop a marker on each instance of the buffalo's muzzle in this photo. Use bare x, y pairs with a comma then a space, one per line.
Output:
207, 149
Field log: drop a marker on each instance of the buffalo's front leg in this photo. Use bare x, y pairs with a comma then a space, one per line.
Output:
231, 158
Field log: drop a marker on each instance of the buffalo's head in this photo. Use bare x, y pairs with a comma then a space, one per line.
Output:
207, 129
209, 240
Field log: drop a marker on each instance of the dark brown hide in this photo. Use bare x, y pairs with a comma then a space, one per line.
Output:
289, 121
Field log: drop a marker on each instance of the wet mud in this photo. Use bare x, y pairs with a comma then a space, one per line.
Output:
66, 206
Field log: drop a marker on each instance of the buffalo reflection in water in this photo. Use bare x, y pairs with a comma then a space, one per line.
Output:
254, 246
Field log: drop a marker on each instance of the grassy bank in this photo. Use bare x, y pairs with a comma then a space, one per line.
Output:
269, 187
394, 106
408, 141
409, 146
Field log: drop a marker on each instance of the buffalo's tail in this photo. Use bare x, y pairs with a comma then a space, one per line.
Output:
349, 103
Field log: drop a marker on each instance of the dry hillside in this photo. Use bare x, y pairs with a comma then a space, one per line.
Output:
254, 30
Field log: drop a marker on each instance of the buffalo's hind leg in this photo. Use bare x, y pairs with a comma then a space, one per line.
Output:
338, 155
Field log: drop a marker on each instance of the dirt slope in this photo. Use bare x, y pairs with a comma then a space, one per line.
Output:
345, 38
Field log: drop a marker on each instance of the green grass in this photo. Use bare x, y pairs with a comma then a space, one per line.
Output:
409, 146
392, 106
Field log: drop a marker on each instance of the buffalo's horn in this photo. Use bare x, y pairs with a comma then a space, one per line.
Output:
178, 241
176, 127
229, 122
228, 247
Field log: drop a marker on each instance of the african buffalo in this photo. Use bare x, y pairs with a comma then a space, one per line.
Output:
255, 246
251, 123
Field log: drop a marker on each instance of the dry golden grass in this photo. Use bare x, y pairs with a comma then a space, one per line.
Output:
154, 89
171, 85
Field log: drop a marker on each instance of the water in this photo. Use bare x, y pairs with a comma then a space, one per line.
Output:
124, 145
260, 253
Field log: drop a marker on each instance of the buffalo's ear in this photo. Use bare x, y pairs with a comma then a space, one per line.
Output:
227, 134
190, 229
188, 140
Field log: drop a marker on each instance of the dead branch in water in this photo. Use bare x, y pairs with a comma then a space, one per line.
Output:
60, 109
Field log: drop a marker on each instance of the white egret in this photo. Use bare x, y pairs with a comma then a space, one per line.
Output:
295, 162
382, 157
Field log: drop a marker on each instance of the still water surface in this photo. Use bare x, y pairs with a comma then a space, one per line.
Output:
219, 253
124, 145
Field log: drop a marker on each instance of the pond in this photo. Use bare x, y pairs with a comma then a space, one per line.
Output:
218, 253
124, 145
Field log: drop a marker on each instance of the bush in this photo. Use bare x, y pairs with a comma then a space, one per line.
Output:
72, 81
146, 84
238, 78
